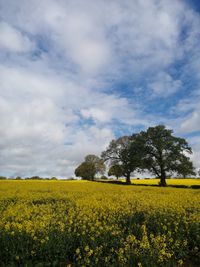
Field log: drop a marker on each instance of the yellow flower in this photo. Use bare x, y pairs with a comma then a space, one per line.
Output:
77, 251
17, 258
87, 248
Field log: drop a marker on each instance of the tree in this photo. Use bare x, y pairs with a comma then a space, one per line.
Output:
197, 172
98, 163
115, 170
53, 178
86, 170
185, 168
124, 152
90, 167
18, 178
3, 178
164, 153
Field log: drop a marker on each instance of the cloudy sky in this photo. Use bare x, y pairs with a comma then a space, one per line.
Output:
76, 74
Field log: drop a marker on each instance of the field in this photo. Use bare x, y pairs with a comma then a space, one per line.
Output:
80, 223
175, 182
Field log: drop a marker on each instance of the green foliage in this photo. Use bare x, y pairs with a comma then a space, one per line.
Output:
3, 178
98, 163
53, 178
90, 167
115, 170
34, 178
156, 150
104, 177
86, 170
164, 153
123, 152
18, 178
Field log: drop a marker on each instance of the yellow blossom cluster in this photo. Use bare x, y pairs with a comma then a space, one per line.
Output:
81, 223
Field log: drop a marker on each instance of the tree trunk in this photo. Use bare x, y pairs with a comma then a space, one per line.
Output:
163, 178
128, 178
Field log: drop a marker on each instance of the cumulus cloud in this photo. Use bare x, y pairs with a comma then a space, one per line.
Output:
64, 66
164, 85
195, 143
12, 40
192, 123
41, 122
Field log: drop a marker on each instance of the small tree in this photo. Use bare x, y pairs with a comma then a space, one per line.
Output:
3, 178
90, 167
98, 163
164, 153
116, 170
18, 178
186, 168
86, 170
53, 178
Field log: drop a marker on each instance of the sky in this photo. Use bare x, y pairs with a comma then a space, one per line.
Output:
76, 74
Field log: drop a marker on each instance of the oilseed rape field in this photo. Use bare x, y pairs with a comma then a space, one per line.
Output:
82, 223
189, 182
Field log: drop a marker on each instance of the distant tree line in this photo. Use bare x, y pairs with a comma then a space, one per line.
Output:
155, 150
27, 178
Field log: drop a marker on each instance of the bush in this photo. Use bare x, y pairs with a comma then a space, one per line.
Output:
3, 178
104, 177
18, 178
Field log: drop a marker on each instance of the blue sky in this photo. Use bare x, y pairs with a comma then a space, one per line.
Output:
76, 74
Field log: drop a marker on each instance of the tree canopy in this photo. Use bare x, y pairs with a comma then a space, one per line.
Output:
86, 170
90, 167
123, 152
155, 150
164, 154
115, 170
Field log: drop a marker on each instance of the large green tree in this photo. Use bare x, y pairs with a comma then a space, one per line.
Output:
124, 152
164, 154
90, 167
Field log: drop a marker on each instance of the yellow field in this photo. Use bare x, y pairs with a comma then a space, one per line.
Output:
79, 223
187, 182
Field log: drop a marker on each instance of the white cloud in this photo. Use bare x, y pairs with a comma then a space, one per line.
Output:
40, 130
13, 40
189, 113
195, 143
100, 36
64, 64
96, 114
83, 43
164, 85
191, 123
